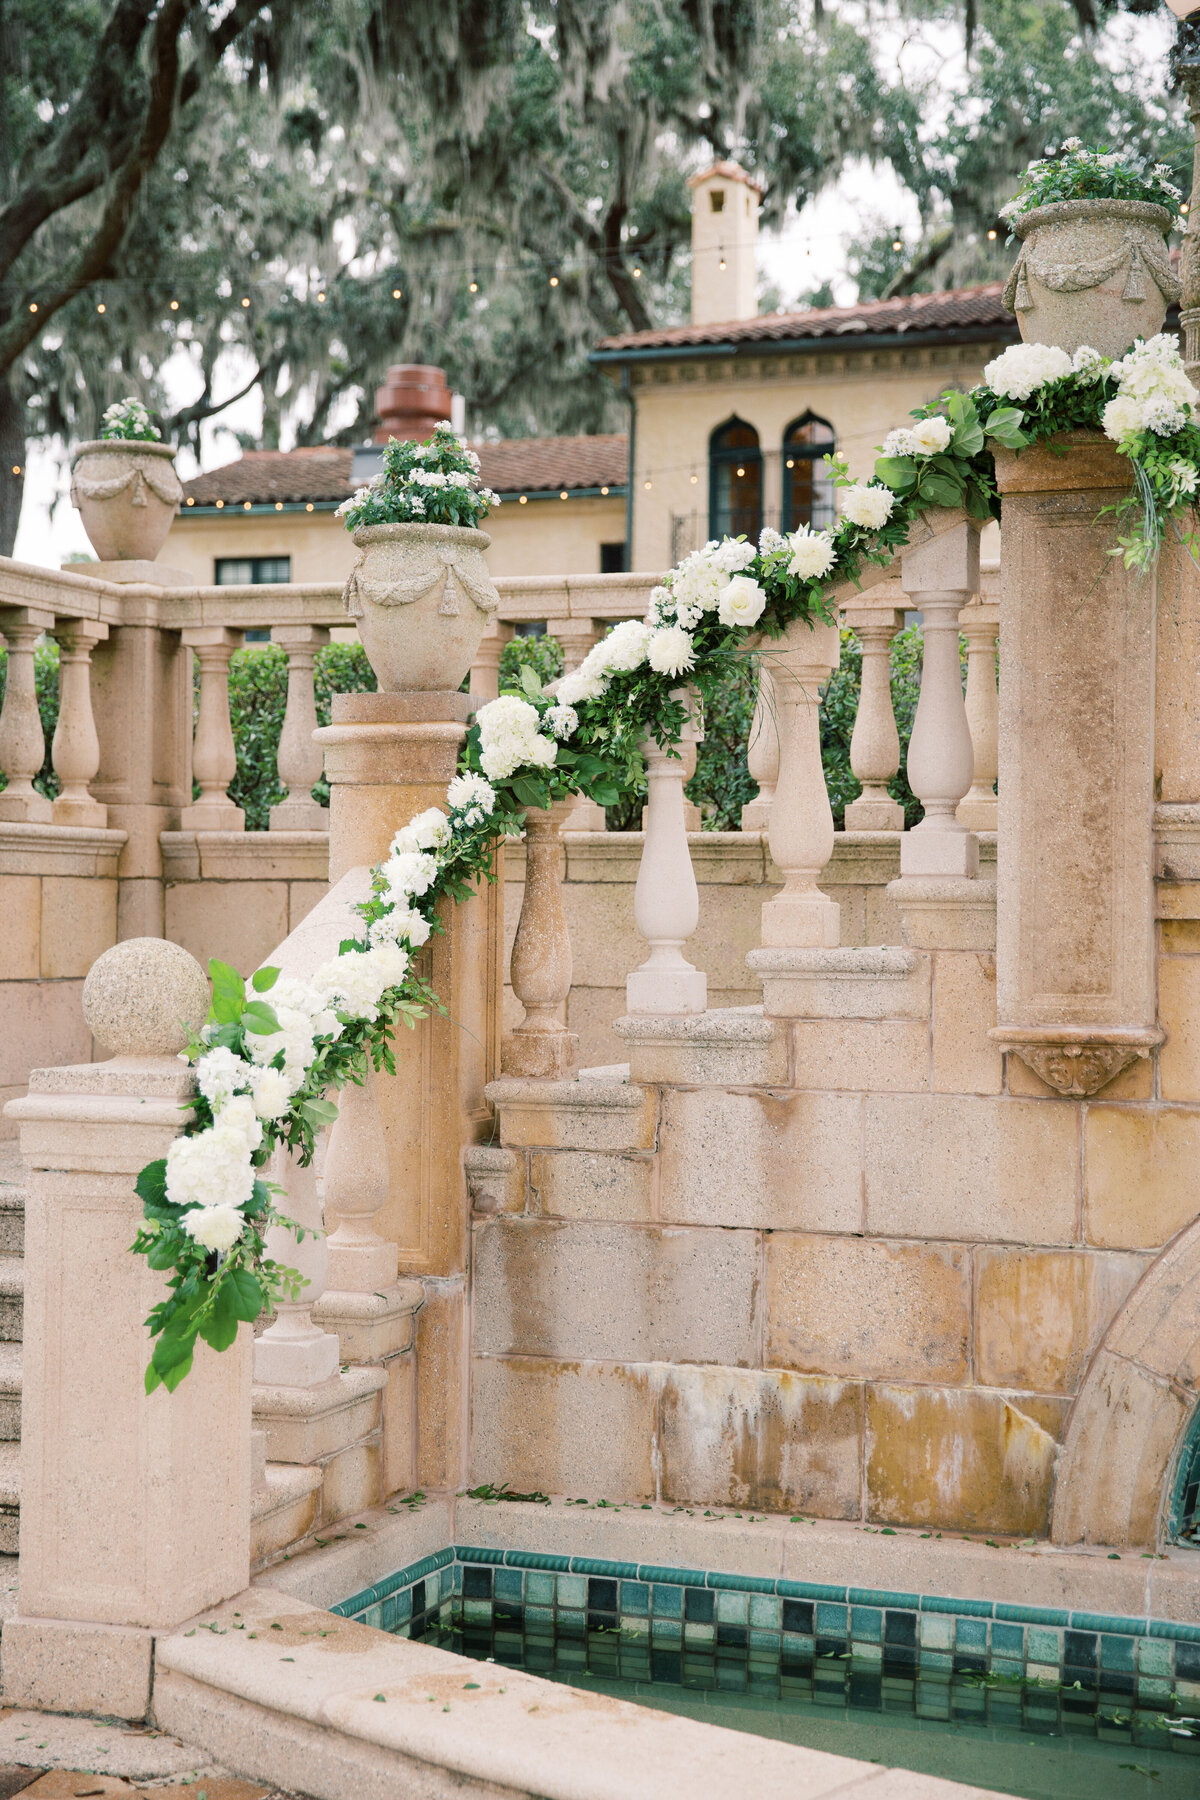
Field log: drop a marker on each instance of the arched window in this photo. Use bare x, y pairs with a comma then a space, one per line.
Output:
807, 490
735, 481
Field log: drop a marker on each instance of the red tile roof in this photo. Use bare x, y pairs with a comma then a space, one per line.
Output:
948, 312
513, 466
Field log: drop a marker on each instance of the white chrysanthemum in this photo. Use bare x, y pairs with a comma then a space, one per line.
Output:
868, 505
672, 650
214, 1227
741, 602
220, 1074
412, 872
209, 1169
812, 553
931, 435
1087, 364
470, 790
430, 830
1185, 476
898, 442
562, 720
1122, 416
273, 1090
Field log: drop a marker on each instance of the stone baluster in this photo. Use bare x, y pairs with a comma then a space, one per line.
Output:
293, 1352
762, 754
577, 637
356, 1187
541, 956
22, 740
940, 576
485, 670
666, 903
980, 625
875, 742
299, 760
75, 751
800, 832
214, 755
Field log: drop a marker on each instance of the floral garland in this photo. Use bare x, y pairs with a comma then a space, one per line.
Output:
268, 1058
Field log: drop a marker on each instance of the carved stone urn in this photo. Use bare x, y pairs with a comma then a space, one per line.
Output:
1092, 272
421, 595
127, 493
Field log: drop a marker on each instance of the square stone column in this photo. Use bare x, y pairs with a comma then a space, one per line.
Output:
1075, 901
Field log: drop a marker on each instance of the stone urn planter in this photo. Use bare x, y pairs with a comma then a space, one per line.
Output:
421, 595
127, 493
1092, 272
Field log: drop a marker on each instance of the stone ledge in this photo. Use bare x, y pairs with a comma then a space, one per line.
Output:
245, 855
81, 850
870, 982
573, 1115
946, 912
730, 1046
310, 1425
370, 1327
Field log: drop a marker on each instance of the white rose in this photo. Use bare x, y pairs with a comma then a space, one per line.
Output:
741, 602
672, 650
867, 505
931, 435
214, 1227
273, 1091
812, 554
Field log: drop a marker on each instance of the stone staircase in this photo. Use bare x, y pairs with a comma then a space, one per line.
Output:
12, 1308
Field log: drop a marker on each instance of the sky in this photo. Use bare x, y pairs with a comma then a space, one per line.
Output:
810, 248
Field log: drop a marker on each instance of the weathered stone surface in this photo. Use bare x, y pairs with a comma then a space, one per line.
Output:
574, 1115
21, 904
1039, 1314
239, 921
873, 1055
567, 1428
761, 1160
442, 1357
963, 1457
141, 996
1116, 1457
43, 1027
763, 1439
965, 1061
990, 1169
1179, 1016
79, 923
872, 982
1137, 1174
732, 1047
853, 1306
607, 1292
590, 1184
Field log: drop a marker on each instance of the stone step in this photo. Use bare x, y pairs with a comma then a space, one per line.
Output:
12, 1200
12, 1299
10, 1392
10, 1497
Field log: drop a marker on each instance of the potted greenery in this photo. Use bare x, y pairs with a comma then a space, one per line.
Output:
125, 486
1093, 266
420, 591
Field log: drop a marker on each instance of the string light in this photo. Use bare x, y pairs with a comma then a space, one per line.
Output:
637, 274
897, 244
279, 506
563, 494
524, 500
646, 485
721, 264
320, 299
554, 281
16, 468
191, 501
741, 472
791, 463
396, 293
33, 306
309, 507
473, 288
220, 504
695, 479
101, 308
245, 300
1183, 206
604, 490
174, 306
992, 236
245, 506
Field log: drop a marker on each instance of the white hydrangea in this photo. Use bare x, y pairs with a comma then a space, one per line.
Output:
209, 1169
238, 1124
1122, 416
899, 442
697, 583
470, 790
770, 540
868, 504
1154, 371
578, 686
220, 1074
356, 980
929, 436
411, 872
509, 737
742, 601
623, 649
672, 650
730, 556
562, 720
430, 830
1020, 370
1088, 364
812, 553
410, 925
214, 1227
273, 1090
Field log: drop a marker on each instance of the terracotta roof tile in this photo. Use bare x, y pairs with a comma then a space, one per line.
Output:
515, 465
955, 309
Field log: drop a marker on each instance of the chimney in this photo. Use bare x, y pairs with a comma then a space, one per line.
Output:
413, 399
725, 202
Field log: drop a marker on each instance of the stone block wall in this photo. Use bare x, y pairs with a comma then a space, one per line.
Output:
237, 894
856, 1269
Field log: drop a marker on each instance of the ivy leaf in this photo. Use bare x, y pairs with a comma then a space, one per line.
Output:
228, 995
260, 1017
896, 472
220, 1327
263, 979
161, 1254
151, 1184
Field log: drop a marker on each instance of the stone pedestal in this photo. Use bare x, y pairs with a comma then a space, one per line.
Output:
135, 1509
1075, 935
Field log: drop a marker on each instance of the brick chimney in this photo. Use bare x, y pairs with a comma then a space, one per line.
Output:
725, 203
413, 399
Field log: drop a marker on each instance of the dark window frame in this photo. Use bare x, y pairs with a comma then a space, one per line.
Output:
745, 519
256, 564
811, 453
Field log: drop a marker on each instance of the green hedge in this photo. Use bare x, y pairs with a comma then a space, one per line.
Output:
45, 677
257, 697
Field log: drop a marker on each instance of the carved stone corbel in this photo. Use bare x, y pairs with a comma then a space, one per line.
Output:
1077, 1060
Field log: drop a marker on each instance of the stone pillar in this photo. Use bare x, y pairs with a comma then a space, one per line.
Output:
293, 1352
940, 578
875, 742
666, 901
1075, 932
135, 1509
801, 826
541, 956
388, 757
75, 752
762, 754
22, 740
485, 670
214, 755
979, 623
299, 759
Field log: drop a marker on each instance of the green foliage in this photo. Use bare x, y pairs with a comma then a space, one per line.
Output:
722, 784
257, 698
1100, 174
45, 679
128, 421
436, 483
544, 655
839, 709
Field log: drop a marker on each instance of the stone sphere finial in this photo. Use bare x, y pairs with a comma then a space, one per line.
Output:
140, 996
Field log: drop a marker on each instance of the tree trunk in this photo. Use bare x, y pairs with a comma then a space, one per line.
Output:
12, 458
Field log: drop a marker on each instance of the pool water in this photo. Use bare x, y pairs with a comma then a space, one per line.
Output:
1012, 1734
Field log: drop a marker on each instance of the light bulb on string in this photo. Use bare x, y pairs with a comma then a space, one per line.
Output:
321, 298
721, 264
473, 287
637, 274
897, 244
992, 236
101, 307
245, 300
33, 306
174, 306
397, 293
554, 281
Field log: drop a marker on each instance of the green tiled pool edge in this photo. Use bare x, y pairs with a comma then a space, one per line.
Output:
1153, 1660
